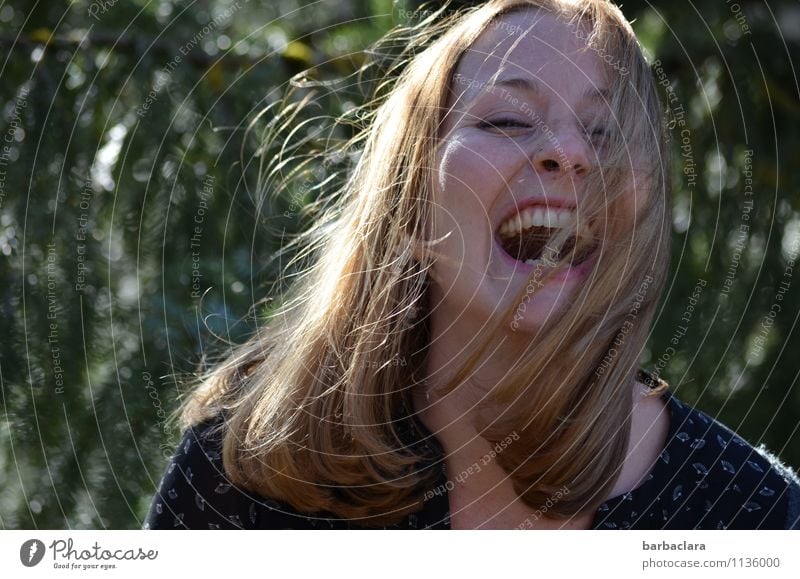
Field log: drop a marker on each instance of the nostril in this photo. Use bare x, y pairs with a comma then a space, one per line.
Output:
578, 169
550, 165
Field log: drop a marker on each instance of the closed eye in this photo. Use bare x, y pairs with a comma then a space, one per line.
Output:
598, 133
503, 123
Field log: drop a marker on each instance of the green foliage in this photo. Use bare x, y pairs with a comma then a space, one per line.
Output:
736, 214
124, 127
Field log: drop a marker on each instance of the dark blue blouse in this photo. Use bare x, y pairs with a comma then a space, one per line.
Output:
706, 477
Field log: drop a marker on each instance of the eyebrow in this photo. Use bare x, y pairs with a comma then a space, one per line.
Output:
531, 85
518, 83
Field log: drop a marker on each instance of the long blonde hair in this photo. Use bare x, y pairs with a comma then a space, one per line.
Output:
312, 400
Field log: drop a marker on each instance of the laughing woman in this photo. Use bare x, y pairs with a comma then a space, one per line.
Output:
462, 352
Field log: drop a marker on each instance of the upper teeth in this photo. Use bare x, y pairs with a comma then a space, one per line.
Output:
536, 216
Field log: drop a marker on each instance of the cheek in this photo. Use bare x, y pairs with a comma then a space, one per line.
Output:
638, 197
469, 179
472, 171
625, 215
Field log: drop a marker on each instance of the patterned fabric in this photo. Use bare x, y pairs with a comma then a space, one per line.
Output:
706, 477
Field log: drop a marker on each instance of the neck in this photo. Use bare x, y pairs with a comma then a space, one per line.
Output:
451, 416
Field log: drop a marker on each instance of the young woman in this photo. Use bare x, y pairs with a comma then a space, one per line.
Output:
462, 352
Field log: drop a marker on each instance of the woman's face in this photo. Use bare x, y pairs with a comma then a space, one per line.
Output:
525, 119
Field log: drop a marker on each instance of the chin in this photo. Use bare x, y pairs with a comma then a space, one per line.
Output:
530, 318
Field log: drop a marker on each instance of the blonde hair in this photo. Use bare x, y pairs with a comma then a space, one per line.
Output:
312, 400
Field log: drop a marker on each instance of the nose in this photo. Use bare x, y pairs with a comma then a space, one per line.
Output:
561, 153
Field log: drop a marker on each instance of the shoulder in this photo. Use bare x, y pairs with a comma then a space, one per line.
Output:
196, 493
706, 477
716, 480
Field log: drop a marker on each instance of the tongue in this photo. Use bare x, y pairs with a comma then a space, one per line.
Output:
529, 244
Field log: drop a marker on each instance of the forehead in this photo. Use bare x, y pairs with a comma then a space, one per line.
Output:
533, 44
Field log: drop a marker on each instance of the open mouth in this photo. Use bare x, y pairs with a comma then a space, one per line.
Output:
526, 237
